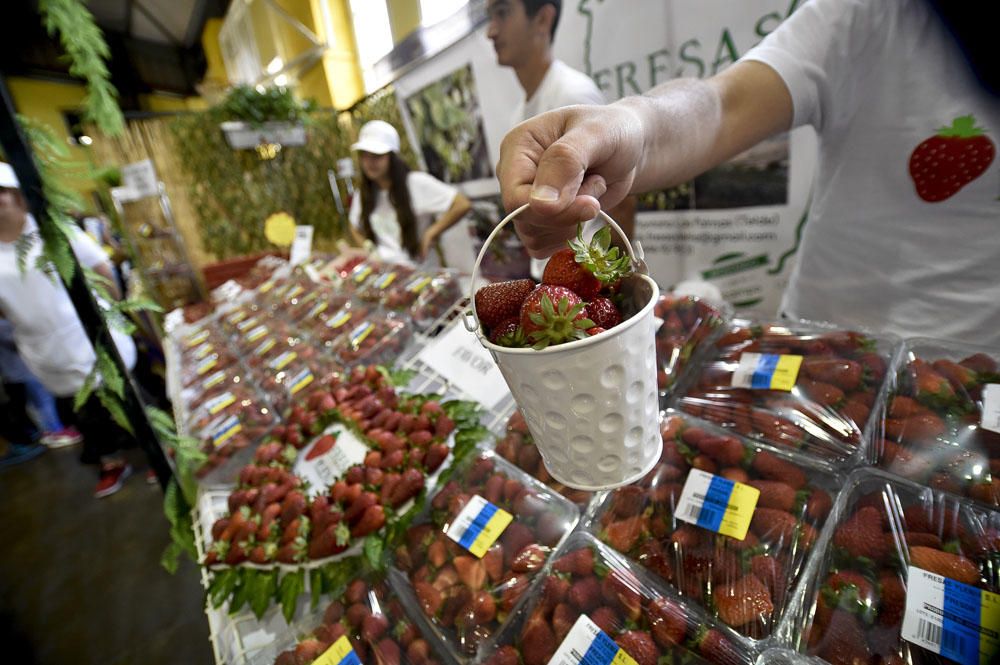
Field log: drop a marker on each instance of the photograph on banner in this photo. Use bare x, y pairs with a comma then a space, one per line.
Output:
447, 119
755, 177
506, 257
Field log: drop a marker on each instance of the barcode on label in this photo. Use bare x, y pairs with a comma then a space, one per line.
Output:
929, 631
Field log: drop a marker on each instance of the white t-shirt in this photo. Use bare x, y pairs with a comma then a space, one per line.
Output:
875, 79
48, 332
561, 86
429, 198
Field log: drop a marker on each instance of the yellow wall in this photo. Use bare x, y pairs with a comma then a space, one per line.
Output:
340, 61
404, 18
166, 103
44, 102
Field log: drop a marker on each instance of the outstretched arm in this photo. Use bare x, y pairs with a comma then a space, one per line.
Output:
570, 162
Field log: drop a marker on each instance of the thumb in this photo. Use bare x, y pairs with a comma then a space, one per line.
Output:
558, 178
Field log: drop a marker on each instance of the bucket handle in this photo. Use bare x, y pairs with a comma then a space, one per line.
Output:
471, 318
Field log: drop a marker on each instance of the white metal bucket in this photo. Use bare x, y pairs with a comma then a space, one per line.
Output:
591, 405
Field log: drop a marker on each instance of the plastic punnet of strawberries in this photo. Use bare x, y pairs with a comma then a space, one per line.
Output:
518, 447
468, 590
743, 582
578, 297
588, 588
825, 407
897, 553
936, 425
372, 619
688, 321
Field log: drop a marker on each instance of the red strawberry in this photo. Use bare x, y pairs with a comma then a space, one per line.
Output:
429, 597
563, 618
371, 521
726, 450
773, 467
960, 377
667, 622
980, 363
842, 373
861, 535
843, 642
538, 642
624, 534
529, 559
495, 303
640, 646
945, 563
596, 330
776, 526
744, 601
471, 571
579, 562
609, 621
603, 313
323, 444
621, 589
585, 594
893, 599
509, 334
506, 655
945, 163
932, 388
774, 494
598, 258
563, 270
553, 315
716, 648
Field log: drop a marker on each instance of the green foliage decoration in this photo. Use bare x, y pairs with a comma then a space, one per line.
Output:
87, 52
247, 104
234, 191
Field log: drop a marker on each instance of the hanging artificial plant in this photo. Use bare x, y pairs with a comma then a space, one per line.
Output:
245, 103
87, 52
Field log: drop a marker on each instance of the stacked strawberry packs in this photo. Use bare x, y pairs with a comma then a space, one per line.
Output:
576, 299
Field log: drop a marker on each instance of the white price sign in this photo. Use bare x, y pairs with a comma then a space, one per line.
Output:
140, 179
991, 407
322, 464
301, 245
459, 357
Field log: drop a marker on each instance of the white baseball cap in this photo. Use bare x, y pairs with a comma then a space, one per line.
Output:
377, 137
7, 177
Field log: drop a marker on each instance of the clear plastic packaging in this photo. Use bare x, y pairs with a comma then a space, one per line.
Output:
588, 585
825, 408
372, 618
852, 604
743, 582
330, 326
466, 593
354, 279
322, 301
426, 295
378, 339
376, 288
689, 322
933, 427
517, 447
235, 427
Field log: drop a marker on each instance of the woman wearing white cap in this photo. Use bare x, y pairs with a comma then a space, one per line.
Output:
405, 212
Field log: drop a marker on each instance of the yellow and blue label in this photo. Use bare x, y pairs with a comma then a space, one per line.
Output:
361, 272
478, 525
418, 283
264, 346
197, 338
768, 371
256, 333
339, 653
954, 620
230, 427
282, 361
360, 333
301, 380
339, 319
717, 504
385, 280
217, 404
214, 380
207, 364
317, 309
587, 644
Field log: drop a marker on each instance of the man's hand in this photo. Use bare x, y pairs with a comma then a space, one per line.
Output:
568, 164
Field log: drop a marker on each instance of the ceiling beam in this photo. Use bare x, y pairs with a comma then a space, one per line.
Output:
159, 26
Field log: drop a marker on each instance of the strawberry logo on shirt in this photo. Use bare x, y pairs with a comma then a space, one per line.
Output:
951, 159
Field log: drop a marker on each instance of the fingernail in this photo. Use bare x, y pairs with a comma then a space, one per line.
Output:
545, 193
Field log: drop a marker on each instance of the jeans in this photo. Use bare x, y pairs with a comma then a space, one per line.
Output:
42, 406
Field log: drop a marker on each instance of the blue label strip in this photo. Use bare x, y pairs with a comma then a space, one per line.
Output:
477, 526
350, 659
716, 502
765, 370
601, 652
960, 634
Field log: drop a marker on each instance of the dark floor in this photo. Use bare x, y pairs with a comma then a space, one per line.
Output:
80, 578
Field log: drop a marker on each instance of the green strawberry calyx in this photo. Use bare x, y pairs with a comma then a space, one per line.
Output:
608, 264
558, 323
962, 127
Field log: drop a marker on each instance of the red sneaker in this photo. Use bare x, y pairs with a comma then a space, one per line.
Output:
112, 478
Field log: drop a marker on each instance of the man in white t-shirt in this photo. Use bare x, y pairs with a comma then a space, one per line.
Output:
48, 333
522, 32
904, 217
